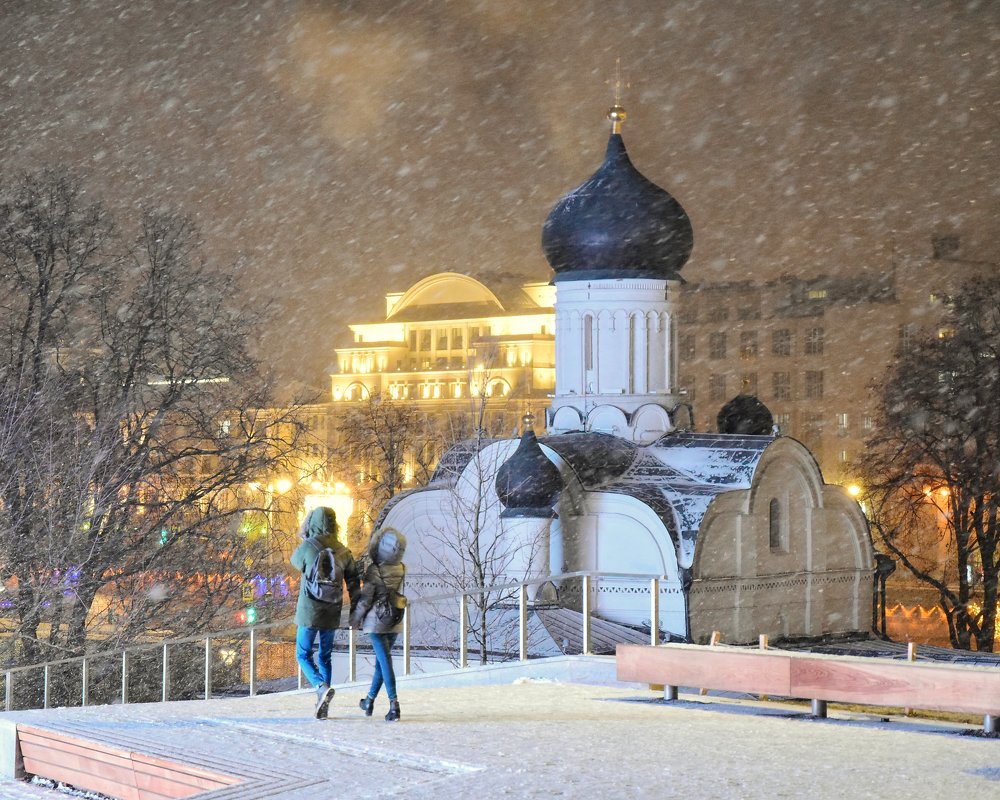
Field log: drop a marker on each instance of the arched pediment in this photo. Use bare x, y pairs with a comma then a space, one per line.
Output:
445, 288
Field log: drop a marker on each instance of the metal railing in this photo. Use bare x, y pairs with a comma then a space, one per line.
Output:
168, 647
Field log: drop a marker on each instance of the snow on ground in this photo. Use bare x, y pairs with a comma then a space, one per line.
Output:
532, 738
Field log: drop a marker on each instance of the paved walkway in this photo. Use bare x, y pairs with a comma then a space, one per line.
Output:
527, 731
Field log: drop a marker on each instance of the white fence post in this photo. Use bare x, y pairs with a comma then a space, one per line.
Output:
586, 615
352, 657
253, 661
85, 681
654, 612
406, 640
463, 624
208, 667
165, 694
125, 666
522, 621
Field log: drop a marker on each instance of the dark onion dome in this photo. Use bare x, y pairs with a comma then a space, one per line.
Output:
617, 224
745, 415
527, 483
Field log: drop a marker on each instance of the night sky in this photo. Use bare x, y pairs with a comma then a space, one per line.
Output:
339, 150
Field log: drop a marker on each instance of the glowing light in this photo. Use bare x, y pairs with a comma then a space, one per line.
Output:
282, 485
854, 490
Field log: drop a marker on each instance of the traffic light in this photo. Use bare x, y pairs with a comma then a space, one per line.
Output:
241, 616
251, 613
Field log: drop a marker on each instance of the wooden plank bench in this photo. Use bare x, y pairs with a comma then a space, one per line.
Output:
815, 677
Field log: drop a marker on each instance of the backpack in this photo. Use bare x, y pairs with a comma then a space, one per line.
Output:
324, 578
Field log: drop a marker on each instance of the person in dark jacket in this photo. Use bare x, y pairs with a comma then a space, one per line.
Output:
316, 619
385, 571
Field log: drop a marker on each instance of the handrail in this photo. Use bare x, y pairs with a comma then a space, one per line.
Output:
164, 645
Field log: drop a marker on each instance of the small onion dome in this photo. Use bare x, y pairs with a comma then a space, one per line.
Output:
745, 414
617, 224
527, 483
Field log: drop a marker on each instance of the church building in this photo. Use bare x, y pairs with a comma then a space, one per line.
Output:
739, 526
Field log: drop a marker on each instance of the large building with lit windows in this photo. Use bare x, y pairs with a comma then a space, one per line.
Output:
449, 337
813, 348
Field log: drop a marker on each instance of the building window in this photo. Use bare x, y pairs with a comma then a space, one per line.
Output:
748, 345
781, 342
456, 339
718, 313
413, 340
442, 340
775, 528
781, 385
814, 384
814, 342
868, 423
717, 387
748, 383
816, 294
717, 345
425, 341
906, 337
945, 333
687, 347
843, 424
588, 342
783, 422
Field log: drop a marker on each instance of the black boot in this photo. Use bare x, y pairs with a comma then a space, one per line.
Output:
393, 714
367, 705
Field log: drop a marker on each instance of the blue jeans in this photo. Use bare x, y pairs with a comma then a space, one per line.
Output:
304, 639
382, 645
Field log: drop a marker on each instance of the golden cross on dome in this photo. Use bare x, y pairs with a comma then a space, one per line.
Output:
616, 113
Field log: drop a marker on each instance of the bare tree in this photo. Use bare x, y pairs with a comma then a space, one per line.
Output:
931, 470
379, 438
132, 419
474, 551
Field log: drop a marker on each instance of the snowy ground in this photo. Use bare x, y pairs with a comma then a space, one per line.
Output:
531, 737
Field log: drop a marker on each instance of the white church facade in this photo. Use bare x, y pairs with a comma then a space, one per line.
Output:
741, 529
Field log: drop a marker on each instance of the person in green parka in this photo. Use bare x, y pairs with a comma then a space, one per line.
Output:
315, 619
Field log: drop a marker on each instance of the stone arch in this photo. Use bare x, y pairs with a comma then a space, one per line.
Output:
356, 391
607, 419
649, 423
445, 287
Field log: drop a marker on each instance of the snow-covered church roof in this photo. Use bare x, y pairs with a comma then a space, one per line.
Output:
677, 476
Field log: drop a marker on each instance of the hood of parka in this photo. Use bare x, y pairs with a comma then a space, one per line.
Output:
387, 546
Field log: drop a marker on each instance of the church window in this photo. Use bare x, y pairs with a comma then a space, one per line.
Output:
748, 345
814, 342
775, 528
588, 342
781, 342
717, 345
632, 365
